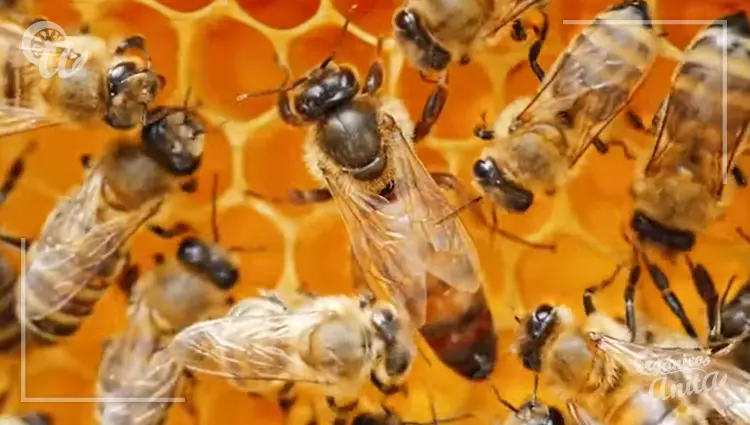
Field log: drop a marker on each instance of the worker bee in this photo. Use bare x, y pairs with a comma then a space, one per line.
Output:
174, 295
589, 84
403, 230
435, 33
597, 386
114, 87
680, 190
82, 245
330, 345
35, 418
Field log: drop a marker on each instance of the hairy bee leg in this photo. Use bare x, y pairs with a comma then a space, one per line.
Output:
189, 186
374, 78
636, 122
588, 295
518, 32
175, 230
285, 111
633, 277
536, 48
739, 176
15, 172
286, 398
312, 196
707, 291
600, 146
662, 283
629, 155
431, 112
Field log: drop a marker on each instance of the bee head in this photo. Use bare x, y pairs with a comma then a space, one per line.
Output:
506, 192
209, 261
324, 90
132, 88
417, 44
174, 137
37, 418
659, 234
390, 329
537, 329
735, 315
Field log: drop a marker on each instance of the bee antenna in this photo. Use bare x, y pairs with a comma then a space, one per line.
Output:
327, 61
502, 401
214, 196
460, 209
187, 97
536, 388
284, 87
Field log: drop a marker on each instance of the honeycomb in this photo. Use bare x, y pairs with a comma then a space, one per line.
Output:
225, 47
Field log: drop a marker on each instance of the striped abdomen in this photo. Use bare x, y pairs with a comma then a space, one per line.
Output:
460, 330
10, 329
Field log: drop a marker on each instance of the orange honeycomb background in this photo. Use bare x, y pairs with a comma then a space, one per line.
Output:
225, 47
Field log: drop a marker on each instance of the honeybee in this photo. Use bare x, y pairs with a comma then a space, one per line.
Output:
114, 87
35, 418
82, 245
589, 84
331, 345
681, 189
176, 294
403, 230
389, 417
598, 388
435, 33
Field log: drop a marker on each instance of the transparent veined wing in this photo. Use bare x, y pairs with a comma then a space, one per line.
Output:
440, 241
590, 84
381, 237
250, 347
716, 383
75, 245
580, 415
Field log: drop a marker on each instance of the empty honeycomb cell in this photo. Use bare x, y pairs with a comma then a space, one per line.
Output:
608, 179
521, 81
561, 277
186, 5
310, 49
284, 15
221, 70
324, 234
126, 18
374, 17
277, 150
469, 95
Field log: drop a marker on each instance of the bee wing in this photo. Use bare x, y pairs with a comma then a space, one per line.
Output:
253, 347
580, 415
381, 238
77, 246
586, 82
717, 384
441, 241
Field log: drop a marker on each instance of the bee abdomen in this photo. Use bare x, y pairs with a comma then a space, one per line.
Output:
467, 343
10, 329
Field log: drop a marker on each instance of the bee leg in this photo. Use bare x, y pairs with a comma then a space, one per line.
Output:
177, 229
374, 78
86, 161
14, 173
739, 177
20, 243
189, 384
285, 111
518, 32
341, 410
383, 387
483, 131
128, 278
536, 48
707, 291
600, 146
464, 60
431, 112
313, 196
633, 277
159, 258
635, 121
588, 295
662, 283
286, 398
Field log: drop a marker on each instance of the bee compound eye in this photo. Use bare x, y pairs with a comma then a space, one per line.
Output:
403, 20
542, 312
192, 251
